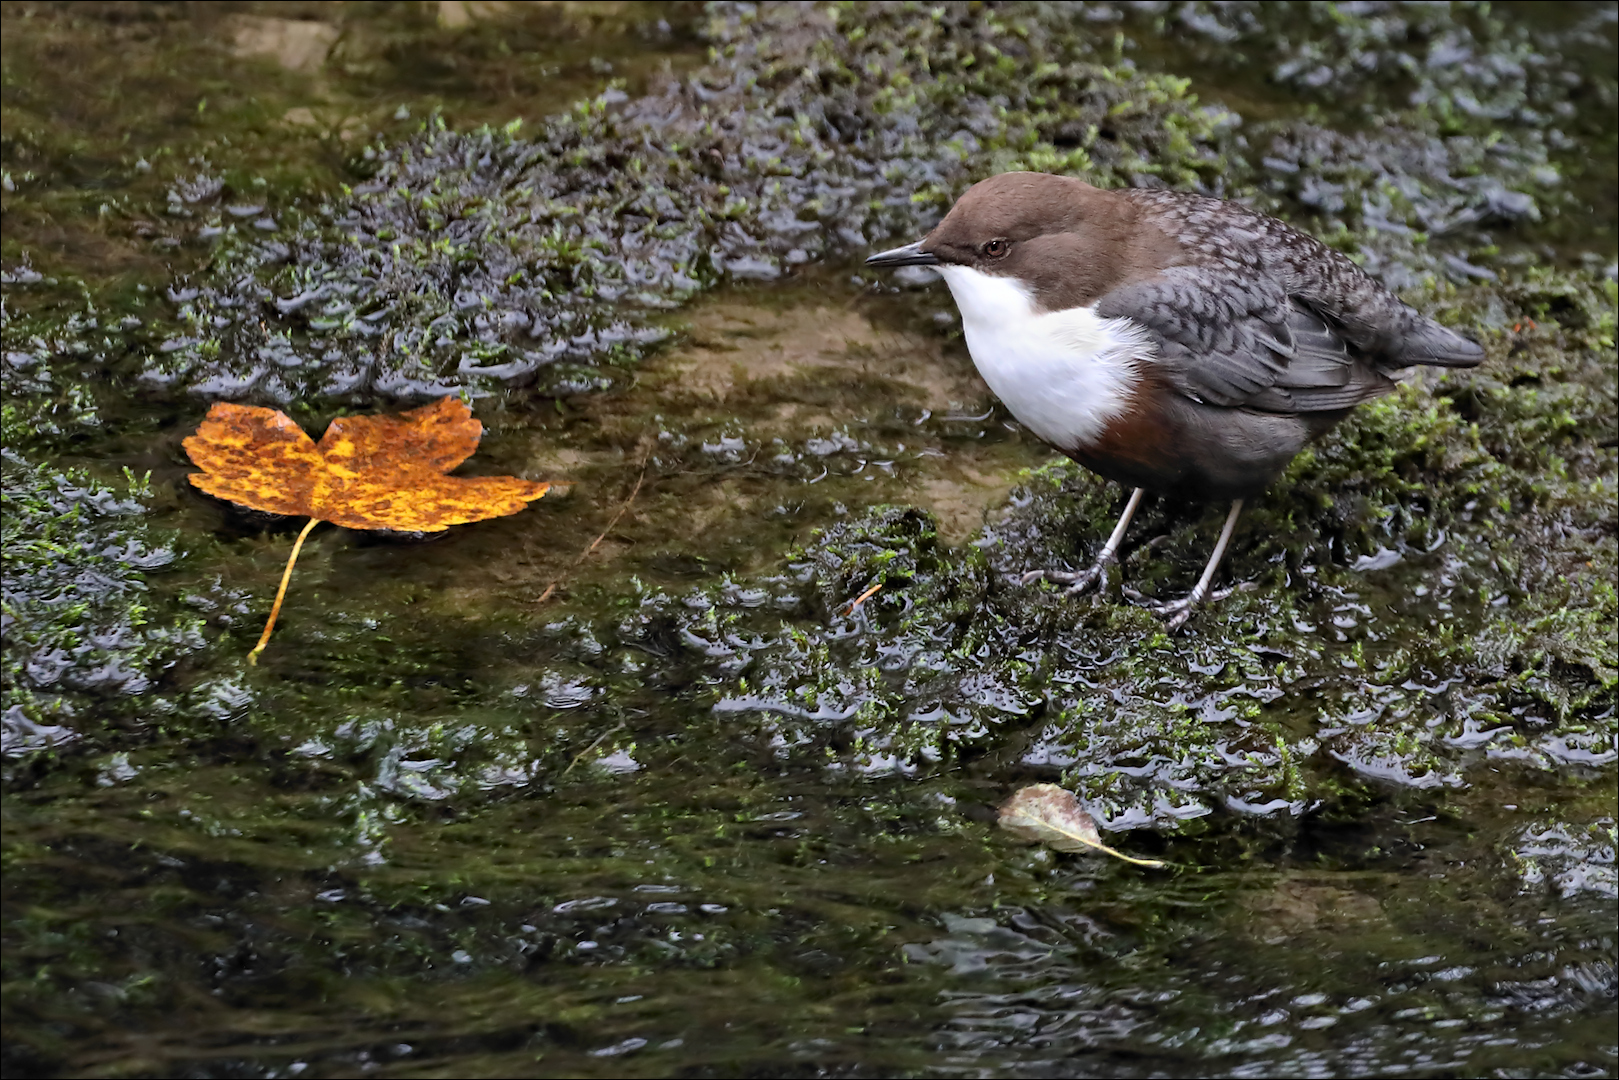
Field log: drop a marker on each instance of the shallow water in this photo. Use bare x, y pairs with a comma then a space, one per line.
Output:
519, 802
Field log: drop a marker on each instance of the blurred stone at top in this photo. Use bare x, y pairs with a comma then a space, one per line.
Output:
454, 14
295, 44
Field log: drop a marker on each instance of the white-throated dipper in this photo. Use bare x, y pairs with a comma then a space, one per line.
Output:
1174, 343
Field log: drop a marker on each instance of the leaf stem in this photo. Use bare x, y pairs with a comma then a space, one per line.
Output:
286, 576
1129, 859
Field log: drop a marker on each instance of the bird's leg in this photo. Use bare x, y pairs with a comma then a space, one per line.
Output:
1178, 611
1078, 583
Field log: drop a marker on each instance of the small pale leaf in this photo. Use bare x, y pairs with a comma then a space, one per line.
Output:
1050, 815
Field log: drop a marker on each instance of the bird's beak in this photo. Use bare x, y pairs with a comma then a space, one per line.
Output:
909, 255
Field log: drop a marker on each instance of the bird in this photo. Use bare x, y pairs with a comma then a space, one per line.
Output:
1172, 342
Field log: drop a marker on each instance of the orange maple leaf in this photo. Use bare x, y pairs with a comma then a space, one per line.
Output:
367, 472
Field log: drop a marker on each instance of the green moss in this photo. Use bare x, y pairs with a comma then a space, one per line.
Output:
499, 262
84, 651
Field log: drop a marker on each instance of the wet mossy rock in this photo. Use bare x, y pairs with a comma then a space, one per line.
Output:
1430, 606
491, 260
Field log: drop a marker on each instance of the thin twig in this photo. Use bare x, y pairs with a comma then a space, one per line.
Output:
593, 744
594, 544
854, 605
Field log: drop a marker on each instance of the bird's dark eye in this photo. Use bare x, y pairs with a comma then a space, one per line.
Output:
997, 247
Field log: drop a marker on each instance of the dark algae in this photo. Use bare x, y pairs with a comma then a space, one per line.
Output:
696, 812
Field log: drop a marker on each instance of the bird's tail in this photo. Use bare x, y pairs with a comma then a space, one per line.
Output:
1429, 343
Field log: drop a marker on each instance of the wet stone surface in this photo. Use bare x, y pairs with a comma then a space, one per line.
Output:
635, 782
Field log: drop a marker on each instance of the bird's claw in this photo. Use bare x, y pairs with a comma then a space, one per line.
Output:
1177, 613
1173, 624
1077, 581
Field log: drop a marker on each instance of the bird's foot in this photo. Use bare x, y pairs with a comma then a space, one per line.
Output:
1176, 613
1077, 582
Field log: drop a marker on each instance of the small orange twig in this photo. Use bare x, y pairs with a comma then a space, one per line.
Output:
594, 544
854, 605
280, 594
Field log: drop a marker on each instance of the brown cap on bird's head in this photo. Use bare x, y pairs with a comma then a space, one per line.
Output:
1068, 241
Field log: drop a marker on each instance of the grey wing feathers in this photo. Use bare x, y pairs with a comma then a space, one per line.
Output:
1321, 372
1245, 343
1251, 250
